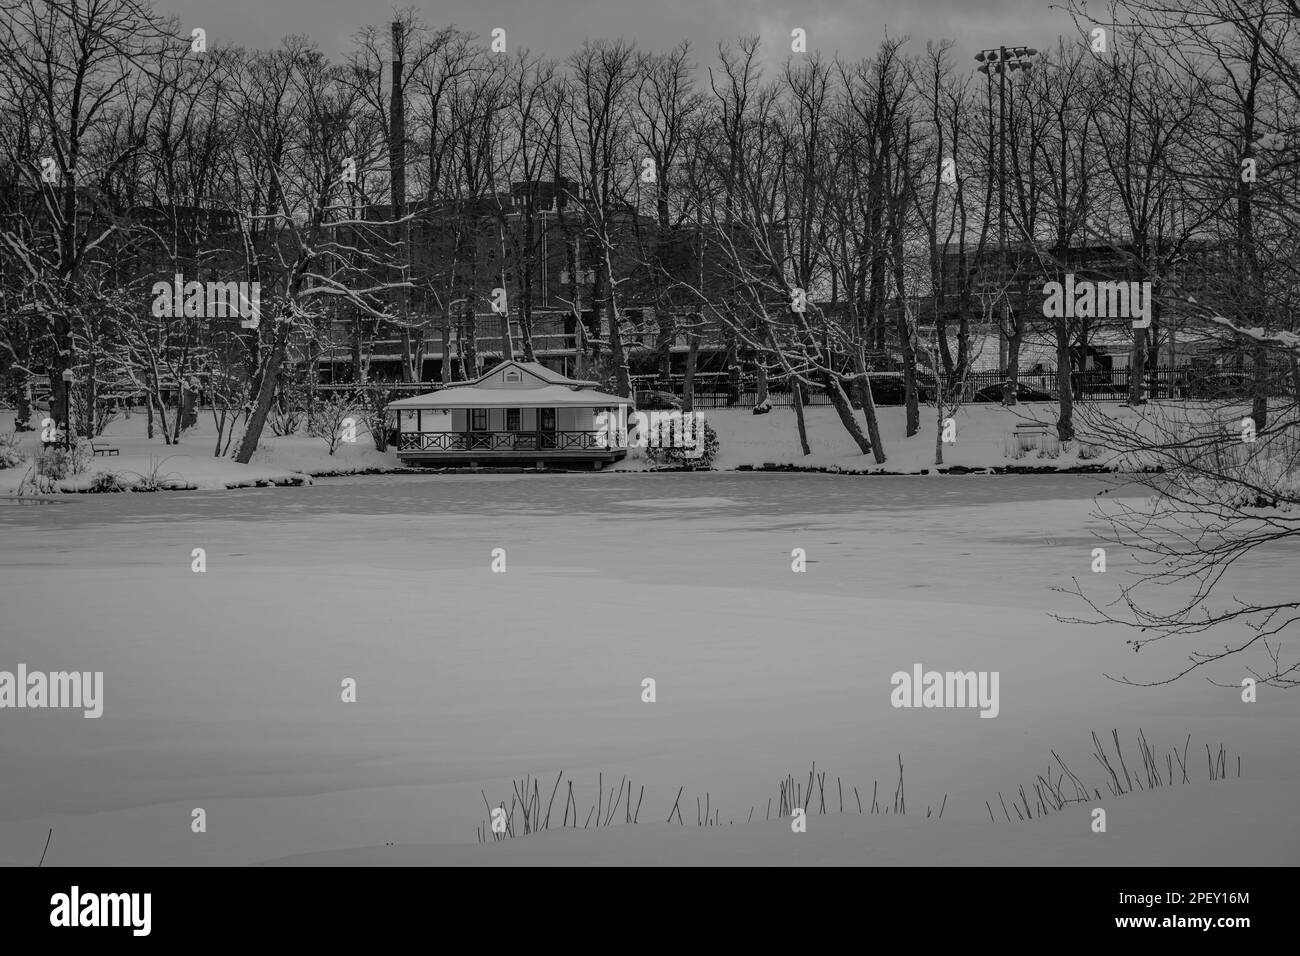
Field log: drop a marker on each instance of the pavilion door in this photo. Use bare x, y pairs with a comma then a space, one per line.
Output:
546, 427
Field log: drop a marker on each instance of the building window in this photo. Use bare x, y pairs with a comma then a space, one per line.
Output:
478, 419
513, 376
512, 419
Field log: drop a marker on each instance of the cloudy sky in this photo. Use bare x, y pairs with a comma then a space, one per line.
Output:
555, 27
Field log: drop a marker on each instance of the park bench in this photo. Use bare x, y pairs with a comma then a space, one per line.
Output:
1040, 431
1031, 436
103, 448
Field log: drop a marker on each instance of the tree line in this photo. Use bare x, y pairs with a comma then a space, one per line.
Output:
832, 216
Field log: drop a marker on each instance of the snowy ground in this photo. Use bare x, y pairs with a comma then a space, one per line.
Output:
985, 438
223, 689
192, 465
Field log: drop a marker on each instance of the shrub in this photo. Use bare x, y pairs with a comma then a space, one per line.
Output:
677, 457
285, 421
108, 482
329, 420
59, 463
34, 484
154, 480
11, 452
377, 419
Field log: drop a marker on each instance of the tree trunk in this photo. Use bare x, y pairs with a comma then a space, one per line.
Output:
407, 356
844, 409
622, 377
1259, 402
938, 431
526, 315
1011, 374
23, 420
797, 397
873, 422
469, 345
265, 393
356, 349
688, 383
909, 372
1137, 367
507, 343
1064, 388
446, 354
663, 347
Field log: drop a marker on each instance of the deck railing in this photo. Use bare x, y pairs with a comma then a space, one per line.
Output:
503, 441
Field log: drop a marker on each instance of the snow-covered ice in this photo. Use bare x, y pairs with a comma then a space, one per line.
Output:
222, 689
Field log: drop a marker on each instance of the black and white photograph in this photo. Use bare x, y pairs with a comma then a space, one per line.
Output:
691, 434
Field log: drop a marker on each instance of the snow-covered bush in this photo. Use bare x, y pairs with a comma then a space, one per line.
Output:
108, 482
329, 417
11, 452
285, 421
59, 463
154, 479
379, 421
677, 457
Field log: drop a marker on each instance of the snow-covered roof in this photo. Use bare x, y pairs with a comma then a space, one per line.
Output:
535, 385
535, 369
545, 397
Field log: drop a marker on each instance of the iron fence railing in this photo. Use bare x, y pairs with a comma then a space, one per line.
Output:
1184, 382
502, 441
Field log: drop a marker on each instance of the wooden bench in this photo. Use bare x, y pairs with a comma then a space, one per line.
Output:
1033, 436
103, 448
1040, 430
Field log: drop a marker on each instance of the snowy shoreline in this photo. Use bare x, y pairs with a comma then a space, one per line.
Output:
82, 484
987, 444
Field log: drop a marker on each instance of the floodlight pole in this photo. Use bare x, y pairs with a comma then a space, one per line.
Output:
67, 410
1000, 61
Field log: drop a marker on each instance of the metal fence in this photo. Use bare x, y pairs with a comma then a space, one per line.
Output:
1184, 382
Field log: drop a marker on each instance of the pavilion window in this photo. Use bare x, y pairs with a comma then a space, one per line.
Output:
478, 419
512, 419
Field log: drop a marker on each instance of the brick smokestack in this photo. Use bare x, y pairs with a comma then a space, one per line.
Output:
397, 171
397, 128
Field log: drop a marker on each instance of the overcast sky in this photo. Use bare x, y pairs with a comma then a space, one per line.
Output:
556, 27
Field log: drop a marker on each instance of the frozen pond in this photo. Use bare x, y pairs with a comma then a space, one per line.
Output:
222, 689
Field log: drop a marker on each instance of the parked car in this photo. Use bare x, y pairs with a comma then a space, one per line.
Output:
889, 388
1024, 393
650, 400
1233, 386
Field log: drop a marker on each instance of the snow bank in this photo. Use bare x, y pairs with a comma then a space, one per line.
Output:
985, 438
1236, 825
192, 466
